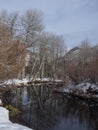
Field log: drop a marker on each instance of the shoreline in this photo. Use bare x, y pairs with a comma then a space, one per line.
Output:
6, 124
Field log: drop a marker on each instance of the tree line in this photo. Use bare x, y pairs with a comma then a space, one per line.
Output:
23, 39
83, 66
24, 34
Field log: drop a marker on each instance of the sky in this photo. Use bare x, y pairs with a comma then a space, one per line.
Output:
76, 20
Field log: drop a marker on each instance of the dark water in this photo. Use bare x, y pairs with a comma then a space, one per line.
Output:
43, 110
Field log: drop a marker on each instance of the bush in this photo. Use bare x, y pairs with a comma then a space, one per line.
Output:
12, 110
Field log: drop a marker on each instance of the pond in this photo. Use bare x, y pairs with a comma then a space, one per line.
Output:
41, 109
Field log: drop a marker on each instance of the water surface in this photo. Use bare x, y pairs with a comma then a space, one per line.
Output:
41, 109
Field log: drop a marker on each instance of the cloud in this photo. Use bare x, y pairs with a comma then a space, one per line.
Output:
75, 19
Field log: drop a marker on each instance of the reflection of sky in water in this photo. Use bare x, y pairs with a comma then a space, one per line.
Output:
25, 99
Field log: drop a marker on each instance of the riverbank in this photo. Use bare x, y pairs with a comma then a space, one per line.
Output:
6, 124
26, 82
84, 91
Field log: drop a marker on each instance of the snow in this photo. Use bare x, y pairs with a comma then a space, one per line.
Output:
47, 79
4, 116
58, 80
5, 124
42, 79
16, 82
66, 90
25, 81
1, 102
84, 88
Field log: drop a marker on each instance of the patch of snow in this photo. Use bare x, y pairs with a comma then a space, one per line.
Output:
58, 80
16, 82
46, 79
37, 79
4, 115
43, 79
1, 103
94, 86
66, 90
5, 124
83, 88
24, 81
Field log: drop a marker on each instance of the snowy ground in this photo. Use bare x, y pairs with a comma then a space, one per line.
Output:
5, 124
18, 82
83, 88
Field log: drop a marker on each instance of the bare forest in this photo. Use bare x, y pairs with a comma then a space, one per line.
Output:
27, 50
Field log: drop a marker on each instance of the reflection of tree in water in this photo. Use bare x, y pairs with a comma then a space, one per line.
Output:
70, 109
7, 97
93, 116
42, 109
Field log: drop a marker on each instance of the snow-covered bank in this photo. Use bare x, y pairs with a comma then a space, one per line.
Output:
84, 90
16, 82
25, 81
5, 124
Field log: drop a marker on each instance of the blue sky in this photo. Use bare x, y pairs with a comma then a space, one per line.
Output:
76, 20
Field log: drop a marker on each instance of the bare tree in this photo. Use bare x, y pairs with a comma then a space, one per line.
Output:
10, 22
85, 52
31, 24
12, 51
51, 46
